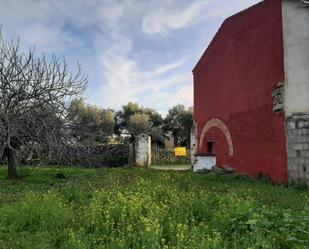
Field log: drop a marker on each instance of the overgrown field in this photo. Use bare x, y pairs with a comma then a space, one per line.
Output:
136, 208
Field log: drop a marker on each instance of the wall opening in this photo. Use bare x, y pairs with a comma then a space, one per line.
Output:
210, 148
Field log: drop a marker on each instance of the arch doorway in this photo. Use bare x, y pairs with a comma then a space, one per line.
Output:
210, 144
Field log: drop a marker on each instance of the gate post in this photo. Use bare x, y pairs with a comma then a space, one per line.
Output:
143, 150
193, 143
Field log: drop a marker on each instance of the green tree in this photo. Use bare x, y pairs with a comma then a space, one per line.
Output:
138, 123
90, 123
134, 119
155, 118
179, 122
123, 116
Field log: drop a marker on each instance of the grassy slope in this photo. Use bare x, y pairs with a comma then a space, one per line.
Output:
136, 208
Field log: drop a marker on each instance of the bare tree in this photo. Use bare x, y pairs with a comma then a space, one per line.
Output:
34, 96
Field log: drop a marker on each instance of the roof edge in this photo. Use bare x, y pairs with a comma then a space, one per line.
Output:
222, 25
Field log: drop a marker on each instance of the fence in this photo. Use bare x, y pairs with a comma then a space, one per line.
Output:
163, 156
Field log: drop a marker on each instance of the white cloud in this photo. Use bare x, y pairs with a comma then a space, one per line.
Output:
127, 81
165, 19
111, 13
168, 67
39, 23
110, 38
49, 38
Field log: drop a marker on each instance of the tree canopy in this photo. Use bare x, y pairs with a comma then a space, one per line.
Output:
90, 123
178, 122
134, 119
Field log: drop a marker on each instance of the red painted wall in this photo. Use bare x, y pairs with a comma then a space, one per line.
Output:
234, 80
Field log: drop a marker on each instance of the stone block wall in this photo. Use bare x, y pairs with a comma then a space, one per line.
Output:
297, 136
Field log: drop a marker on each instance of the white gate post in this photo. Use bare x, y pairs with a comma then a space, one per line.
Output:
143, 150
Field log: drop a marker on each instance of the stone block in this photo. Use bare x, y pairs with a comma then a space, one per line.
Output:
292, 167
297, 160
298, 146
292, 153
301, 139
305, 144
305, 131
290, 161
300, 115
301, 168
306, 168
306, 176
301, 175
293, 175
290, 125
300, 160
290, 139
305, 153
301, 146
302, 124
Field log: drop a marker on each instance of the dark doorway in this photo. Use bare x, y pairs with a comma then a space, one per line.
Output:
210, 148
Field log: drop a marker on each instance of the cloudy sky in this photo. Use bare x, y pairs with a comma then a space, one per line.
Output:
132, 50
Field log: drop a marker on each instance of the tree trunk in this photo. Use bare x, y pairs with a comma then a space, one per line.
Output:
134, 150
10, 154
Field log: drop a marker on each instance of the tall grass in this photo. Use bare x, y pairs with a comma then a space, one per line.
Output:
132, 208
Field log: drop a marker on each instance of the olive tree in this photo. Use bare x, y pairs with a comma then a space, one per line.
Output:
134, 119
34, 96
179, 121
138, 123
90, 123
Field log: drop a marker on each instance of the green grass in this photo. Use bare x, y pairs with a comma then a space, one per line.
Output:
144, 208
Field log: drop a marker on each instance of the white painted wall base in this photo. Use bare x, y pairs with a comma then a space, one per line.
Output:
204, 163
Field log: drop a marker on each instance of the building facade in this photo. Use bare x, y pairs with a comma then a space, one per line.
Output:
251, 92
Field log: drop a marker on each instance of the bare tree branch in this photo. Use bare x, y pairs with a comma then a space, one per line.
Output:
35, 93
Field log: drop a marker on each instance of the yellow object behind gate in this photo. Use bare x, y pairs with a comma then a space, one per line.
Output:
180, 151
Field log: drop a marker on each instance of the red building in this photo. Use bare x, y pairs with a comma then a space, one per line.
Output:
247, 86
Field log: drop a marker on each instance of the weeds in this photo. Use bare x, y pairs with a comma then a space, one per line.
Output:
136, 208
